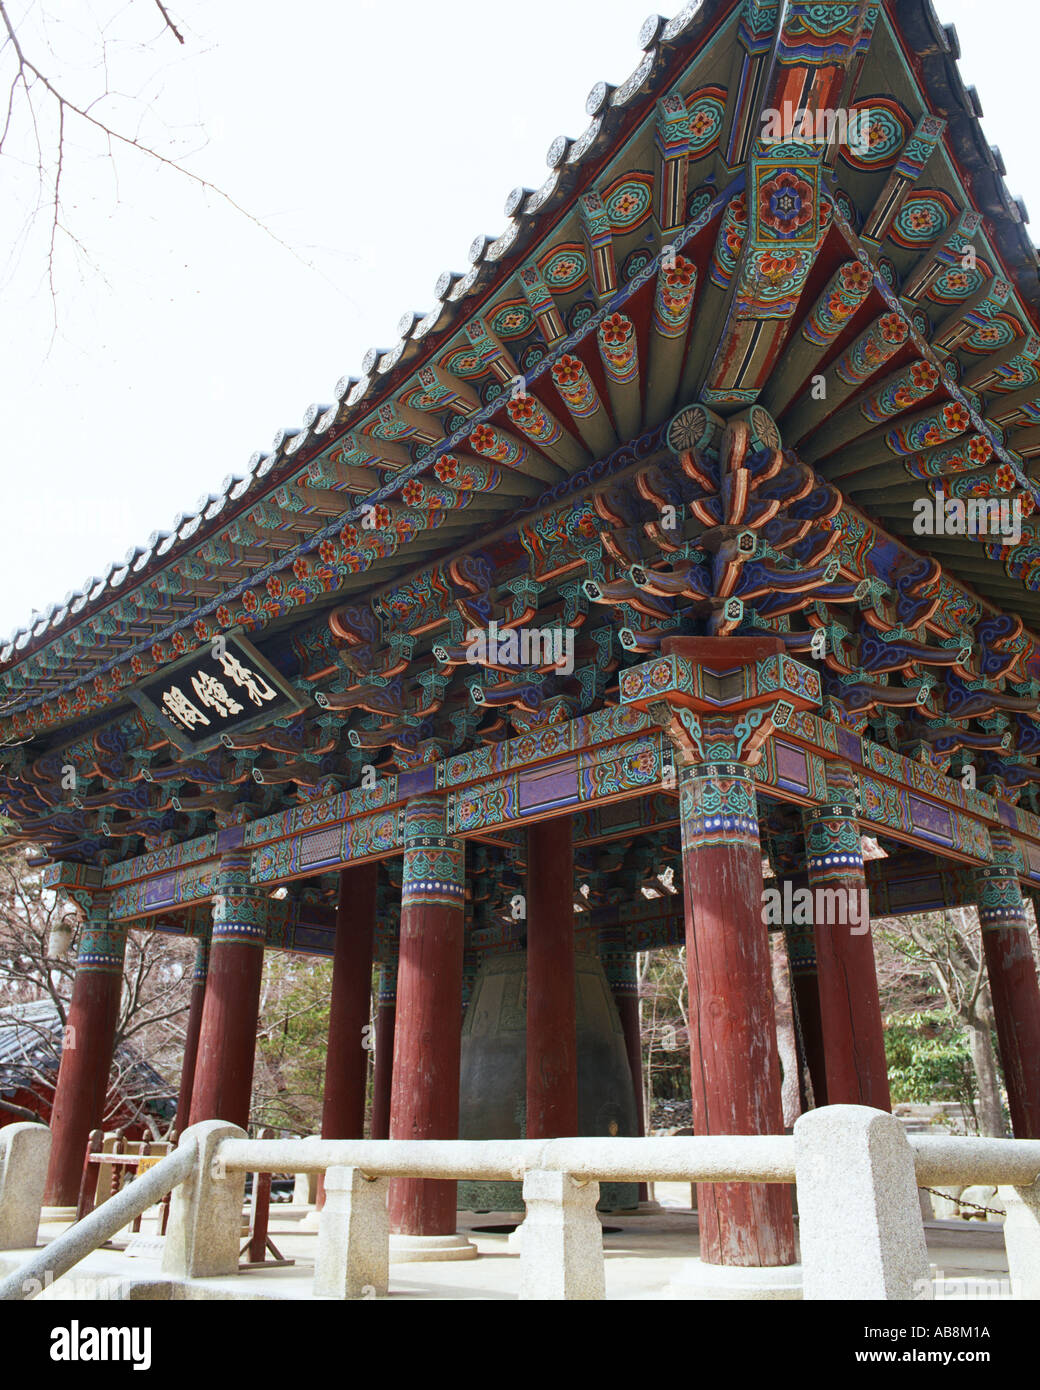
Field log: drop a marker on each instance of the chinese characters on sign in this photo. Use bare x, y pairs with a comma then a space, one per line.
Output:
213, 693
216, 690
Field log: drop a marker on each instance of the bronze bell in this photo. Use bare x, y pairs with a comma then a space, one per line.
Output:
492, 1080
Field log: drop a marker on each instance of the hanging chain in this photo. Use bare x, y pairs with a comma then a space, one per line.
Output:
962, 1203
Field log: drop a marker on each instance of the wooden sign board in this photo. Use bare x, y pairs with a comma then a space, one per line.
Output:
225, 687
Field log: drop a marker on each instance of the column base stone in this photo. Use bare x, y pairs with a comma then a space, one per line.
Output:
697, 1279
406, 1248
311, 1221
57, 1214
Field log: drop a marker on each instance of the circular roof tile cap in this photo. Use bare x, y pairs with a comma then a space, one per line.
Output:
444, 283
649, 33
598, 98
558, 150
477, 248
517, 197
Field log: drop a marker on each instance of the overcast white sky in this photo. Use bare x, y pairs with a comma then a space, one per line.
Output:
376, 138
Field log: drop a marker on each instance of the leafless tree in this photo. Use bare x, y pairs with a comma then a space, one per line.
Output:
947, 948
38, 936
41, 114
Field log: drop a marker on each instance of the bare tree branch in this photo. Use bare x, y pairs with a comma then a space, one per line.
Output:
29, 75
169, 22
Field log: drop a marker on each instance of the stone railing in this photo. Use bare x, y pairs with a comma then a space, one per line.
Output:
856, 1173
64, 1253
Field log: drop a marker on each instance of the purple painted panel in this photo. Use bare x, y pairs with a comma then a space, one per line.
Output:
1030, 857
924, 894
849, 745
556, 784
792, 767
317, 941
423, 779
1006, 813
161, 890
231, 838
932, 820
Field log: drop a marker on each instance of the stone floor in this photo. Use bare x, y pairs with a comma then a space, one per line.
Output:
643, 1257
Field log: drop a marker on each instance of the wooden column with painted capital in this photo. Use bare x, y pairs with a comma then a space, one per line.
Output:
87, 1047
191, 1038
383, 1069
719, 700
734, 1064
346, 1059
424, 1101
850, 1009
227, 1038
1012, 982
552, 1038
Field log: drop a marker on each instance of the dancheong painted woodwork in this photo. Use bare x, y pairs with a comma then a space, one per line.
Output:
699, 509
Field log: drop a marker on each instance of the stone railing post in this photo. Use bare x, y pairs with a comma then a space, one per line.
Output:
205, 1227
561, 1253
1022, 1239
24, 1153
353, 1259
862, 1236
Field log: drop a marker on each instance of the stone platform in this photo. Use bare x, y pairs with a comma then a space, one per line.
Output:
645, 1256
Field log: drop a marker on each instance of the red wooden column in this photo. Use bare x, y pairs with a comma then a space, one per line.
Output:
850, 1010
86, 1054
720, 699
424, 1102
734, 1065
191, 1039
383, 1070
552, 1037
227, 1038
346, 1060
1012, 982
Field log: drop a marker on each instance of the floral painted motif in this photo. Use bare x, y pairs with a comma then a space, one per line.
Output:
786, 203
629, 202
565, 268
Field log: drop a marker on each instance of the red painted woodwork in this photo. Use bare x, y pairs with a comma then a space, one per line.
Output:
1016, 1008
191, 1052
552, 1039
427, 1047
727, 651
227, 1040
734, 1065
346, 1062
79, 1099
850, 1009
383, 1070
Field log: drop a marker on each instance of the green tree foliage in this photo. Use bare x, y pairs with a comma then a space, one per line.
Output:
291, 1044
664, 1025
929, 1059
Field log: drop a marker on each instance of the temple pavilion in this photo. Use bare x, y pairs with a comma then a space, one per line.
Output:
690, 530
